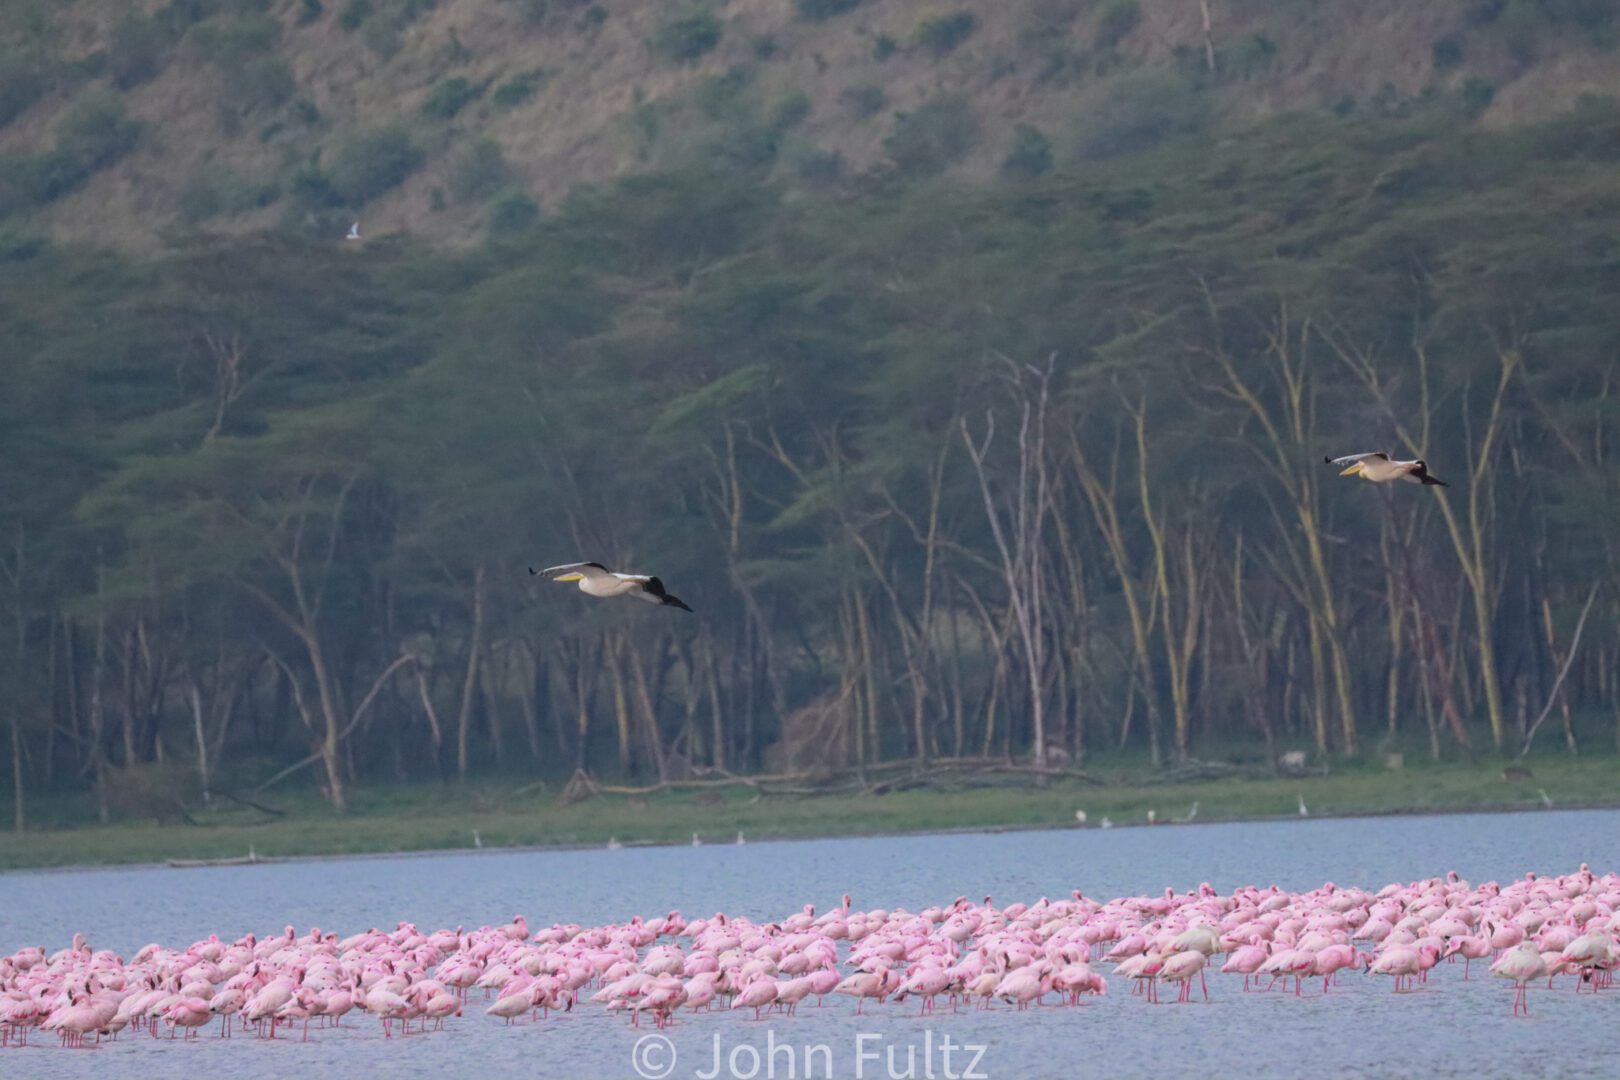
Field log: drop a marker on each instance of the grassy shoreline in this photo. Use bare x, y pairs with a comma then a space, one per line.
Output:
411, 818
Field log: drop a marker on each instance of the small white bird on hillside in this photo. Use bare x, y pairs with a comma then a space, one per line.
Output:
1380, 468
597, 580
354, 232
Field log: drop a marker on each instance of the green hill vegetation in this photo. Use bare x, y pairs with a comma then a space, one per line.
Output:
978, 408
124, 122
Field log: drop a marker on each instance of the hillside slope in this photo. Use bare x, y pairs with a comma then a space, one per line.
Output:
448, 118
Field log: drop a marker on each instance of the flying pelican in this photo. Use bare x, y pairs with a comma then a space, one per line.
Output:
598, 580
1379, 467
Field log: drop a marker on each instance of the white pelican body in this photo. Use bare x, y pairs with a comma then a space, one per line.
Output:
1380, 468
597, 580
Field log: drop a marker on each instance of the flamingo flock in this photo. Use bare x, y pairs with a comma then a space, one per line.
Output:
960, 955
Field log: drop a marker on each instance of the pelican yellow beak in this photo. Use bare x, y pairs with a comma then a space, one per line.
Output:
1352, 470
568, 577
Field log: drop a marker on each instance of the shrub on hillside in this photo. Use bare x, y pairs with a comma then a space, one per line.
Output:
96, 130
512, 213
1251, 56
19, 243
30, 180
1053, 16
934, 137
939, 34
312, 189
823, 9
449, 96
262, 82
1448, 52
354, 13
865, 99
788, 110
233, 41
199, 198
686, 37
135, 49
1141, 110
478, 171
381, 37
22, 82
1477, 94
1031, 153
813, 164
721, 96
519, 88
537, 11
1116, 19
368, 163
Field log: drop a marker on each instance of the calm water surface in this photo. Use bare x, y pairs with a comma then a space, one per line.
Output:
1451, 1028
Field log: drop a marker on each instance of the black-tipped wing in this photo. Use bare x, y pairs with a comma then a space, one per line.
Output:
653, 592
585, 568
1420, 473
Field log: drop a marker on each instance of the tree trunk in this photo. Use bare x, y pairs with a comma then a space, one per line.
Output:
474, 651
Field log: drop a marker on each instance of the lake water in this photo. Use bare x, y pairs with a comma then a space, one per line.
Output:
1450, 1028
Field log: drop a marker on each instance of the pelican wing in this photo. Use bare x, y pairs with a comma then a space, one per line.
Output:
1420, 475
583, 569
644, 587
1351, 459
642, 591
652, 591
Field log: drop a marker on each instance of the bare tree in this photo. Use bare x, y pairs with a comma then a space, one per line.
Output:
1018, 519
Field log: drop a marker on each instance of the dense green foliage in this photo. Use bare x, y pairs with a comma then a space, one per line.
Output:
1013, 472
687, 36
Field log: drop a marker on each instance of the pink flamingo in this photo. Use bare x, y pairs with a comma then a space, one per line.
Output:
1520, 964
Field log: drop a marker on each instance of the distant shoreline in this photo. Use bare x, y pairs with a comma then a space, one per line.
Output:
720, 840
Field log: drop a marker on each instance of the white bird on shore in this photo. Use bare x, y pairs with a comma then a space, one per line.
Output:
597, 580
354, 232
478, 841
1105, 823
1380, 468
740, 839
1152, 814
613, 843
695, 841
1302, 811
1079, 817
1546, 800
